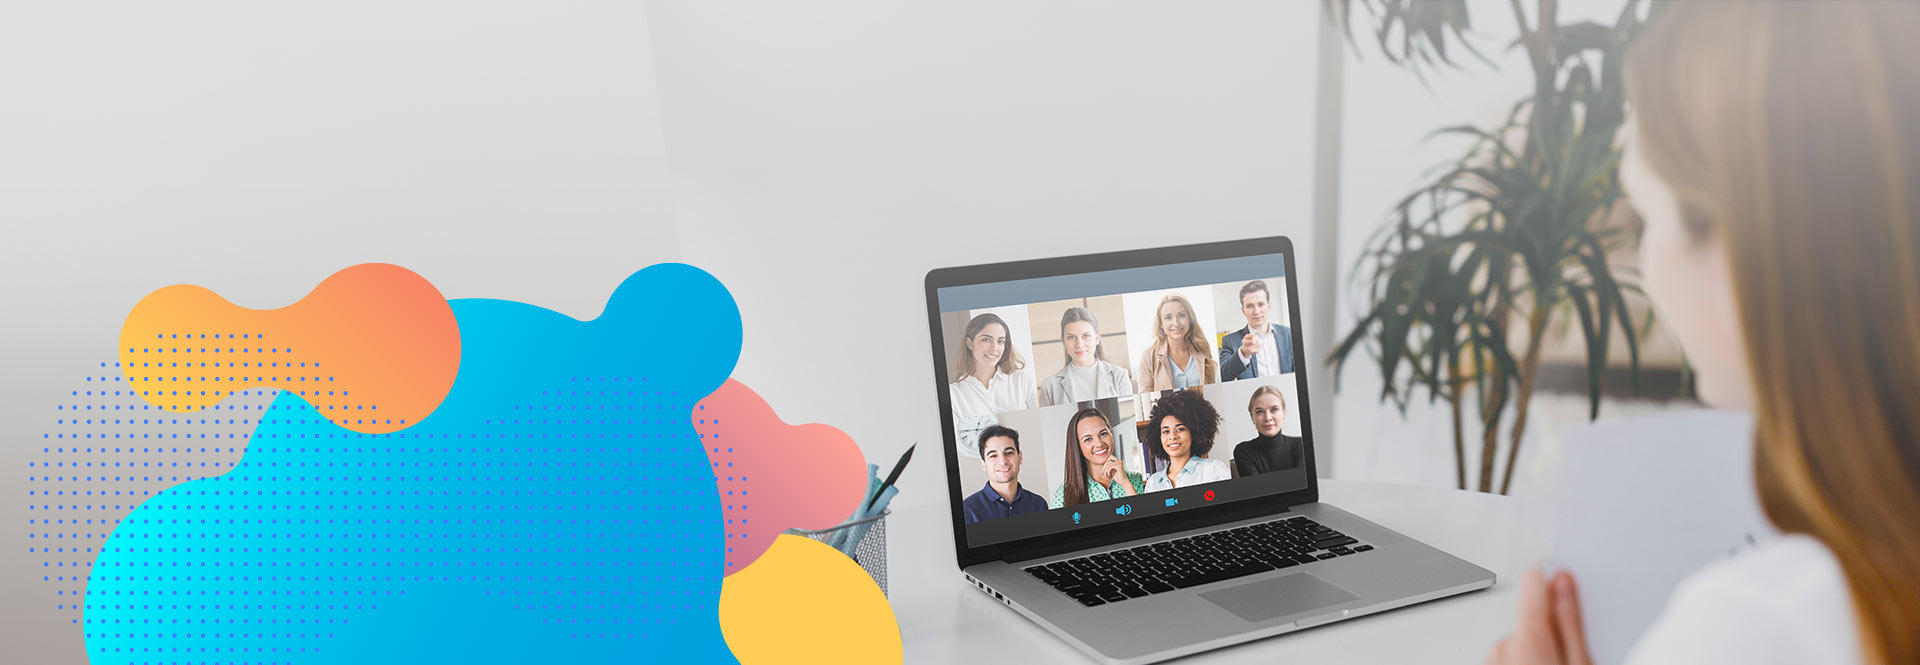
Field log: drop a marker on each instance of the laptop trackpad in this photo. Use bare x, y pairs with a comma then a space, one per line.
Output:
1278, 597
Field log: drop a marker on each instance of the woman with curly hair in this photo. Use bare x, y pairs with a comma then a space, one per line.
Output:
1180, 435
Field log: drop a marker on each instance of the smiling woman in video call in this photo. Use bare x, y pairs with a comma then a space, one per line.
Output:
1774, 158
1097, 472
1180, 356
1087, 375
992, 379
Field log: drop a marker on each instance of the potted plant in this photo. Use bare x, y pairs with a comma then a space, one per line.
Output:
1463, 282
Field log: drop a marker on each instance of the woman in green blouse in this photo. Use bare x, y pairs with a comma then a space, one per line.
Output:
1095, 474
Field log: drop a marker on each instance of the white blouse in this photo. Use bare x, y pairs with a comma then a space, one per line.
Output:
1786, 602
1004, 392
975, 406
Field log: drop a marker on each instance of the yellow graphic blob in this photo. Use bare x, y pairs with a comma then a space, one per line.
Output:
803, 601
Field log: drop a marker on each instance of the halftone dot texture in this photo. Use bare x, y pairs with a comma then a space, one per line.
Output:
806, 602
774, 476
374, 347
555, 507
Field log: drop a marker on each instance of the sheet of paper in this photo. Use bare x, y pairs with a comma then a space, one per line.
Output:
1645, 502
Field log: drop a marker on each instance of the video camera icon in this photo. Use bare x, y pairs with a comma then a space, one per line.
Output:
1124, 509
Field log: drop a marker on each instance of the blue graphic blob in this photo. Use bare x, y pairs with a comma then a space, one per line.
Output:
556, 508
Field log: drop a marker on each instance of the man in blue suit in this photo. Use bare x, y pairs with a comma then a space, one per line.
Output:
1263, 348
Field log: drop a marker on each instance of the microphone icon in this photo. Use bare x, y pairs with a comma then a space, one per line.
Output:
1076, 518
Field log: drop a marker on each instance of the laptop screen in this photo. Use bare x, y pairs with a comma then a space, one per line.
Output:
1093, 398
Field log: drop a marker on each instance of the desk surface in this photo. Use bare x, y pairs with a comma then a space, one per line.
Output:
945, 620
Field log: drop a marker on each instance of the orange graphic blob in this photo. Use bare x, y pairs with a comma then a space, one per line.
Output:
374, 348
774, 476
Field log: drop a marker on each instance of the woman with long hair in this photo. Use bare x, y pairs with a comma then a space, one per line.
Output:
989, 378
1181, 356
1087, 375
1094, 470
1774, 158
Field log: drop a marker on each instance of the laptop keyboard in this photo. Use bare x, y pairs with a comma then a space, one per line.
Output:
1111, 577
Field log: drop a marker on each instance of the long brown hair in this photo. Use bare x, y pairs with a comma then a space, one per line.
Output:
1074, 490
1194, 339
1791, 131
1010, 362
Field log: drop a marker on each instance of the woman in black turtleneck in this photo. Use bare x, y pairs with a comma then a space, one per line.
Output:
1271, 451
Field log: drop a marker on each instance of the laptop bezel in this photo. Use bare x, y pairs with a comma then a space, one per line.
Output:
1095, 536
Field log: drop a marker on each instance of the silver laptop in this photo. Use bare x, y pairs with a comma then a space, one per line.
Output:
1127, 439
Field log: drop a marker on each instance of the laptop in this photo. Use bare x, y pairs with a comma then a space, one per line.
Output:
1128, 438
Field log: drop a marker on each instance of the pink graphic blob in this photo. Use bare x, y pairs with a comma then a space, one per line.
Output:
774, 476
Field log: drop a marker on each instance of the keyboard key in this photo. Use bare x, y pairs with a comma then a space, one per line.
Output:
1113, 596
1133, 591
1337, 541
1091, 601
1157, 586
1327, 555
1363, 548
1342, 551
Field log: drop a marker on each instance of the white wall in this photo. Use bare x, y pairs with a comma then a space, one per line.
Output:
827, 154
501, 149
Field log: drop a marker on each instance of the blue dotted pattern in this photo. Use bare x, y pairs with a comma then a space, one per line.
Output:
557, 507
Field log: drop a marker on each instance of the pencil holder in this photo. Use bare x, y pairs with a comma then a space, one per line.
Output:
864, 539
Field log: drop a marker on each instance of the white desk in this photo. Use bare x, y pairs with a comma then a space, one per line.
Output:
945, 620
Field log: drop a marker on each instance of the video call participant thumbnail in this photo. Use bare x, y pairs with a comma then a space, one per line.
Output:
1263, 348
1181, 432
1181, 356
1094, 472
1271, 450
1087, 376
1003, 496
992, 379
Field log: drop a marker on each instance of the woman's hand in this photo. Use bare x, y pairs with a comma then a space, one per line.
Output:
1107, 470
1550, 631
1111, 470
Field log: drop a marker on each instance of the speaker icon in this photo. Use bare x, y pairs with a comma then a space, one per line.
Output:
1124, 509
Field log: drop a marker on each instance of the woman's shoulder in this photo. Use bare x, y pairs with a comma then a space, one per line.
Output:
1784, 602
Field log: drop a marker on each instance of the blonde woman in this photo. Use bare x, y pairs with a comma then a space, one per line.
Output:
1180, 356
992, 379
1774, 158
